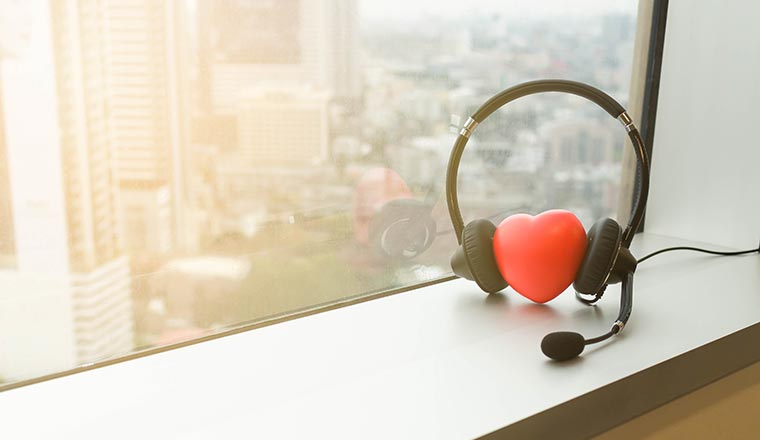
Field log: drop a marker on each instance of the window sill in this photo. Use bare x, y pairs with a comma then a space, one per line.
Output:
443, 361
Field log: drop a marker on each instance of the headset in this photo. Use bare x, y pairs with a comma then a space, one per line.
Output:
606, 258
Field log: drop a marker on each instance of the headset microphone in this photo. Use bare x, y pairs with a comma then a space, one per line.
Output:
563, 346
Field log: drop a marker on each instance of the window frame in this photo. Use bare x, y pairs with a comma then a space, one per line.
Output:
645, 78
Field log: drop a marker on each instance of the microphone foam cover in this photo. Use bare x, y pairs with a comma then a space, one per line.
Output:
563, 346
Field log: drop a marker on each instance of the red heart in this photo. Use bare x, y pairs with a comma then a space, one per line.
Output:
539, 256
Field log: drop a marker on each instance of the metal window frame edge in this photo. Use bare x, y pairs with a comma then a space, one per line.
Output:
645, 87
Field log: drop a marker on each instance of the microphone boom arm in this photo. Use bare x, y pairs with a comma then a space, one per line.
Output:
626, 307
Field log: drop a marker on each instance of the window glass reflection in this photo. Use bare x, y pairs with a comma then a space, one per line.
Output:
172, 168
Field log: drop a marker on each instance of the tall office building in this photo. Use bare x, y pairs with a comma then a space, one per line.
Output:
581, 144
136, 50
68, 291
12, 39
283, 128
7, 246
342, 24
276, 44
137, 46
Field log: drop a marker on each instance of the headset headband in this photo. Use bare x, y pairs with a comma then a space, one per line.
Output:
594, 95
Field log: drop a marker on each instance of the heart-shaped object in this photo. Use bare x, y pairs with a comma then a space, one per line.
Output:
539, 256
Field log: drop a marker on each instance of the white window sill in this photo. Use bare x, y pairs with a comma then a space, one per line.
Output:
444, 361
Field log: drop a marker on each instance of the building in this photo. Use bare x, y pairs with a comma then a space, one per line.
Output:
341, 22
7, 246
283, 128
582, 144
135, 49
284, 43
147, 215
582, 165
421, 160
68, 287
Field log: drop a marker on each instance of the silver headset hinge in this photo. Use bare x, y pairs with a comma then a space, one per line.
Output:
468, 128
626, 121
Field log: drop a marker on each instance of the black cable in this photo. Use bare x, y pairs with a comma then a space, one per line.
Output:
598, 295
689, 248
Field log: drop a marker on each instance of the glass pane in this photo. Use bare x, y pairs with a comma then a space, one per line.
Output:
169, 169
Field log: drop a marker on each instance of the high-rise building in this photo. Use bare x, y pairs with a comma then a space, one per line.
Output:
68, 291
7, 246
581, 143
274, 44
283, 128
137, 47
13, 38
342, 27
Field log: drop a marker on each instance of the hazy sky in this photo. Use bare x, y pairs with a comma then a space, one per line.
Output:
398, 8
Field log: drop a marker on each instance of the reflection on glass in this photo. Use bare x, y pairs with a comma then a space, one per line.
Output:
172, 168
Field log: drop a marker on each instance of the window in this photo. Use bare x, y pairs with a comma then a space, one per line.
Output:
173, 169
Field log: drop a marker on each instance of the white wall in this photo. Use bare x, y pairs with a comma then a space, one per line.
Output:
706, 163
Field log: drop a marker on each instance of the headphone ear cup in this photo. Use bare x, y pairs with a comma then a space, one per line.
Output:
604, 239
475, 259
403, 228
